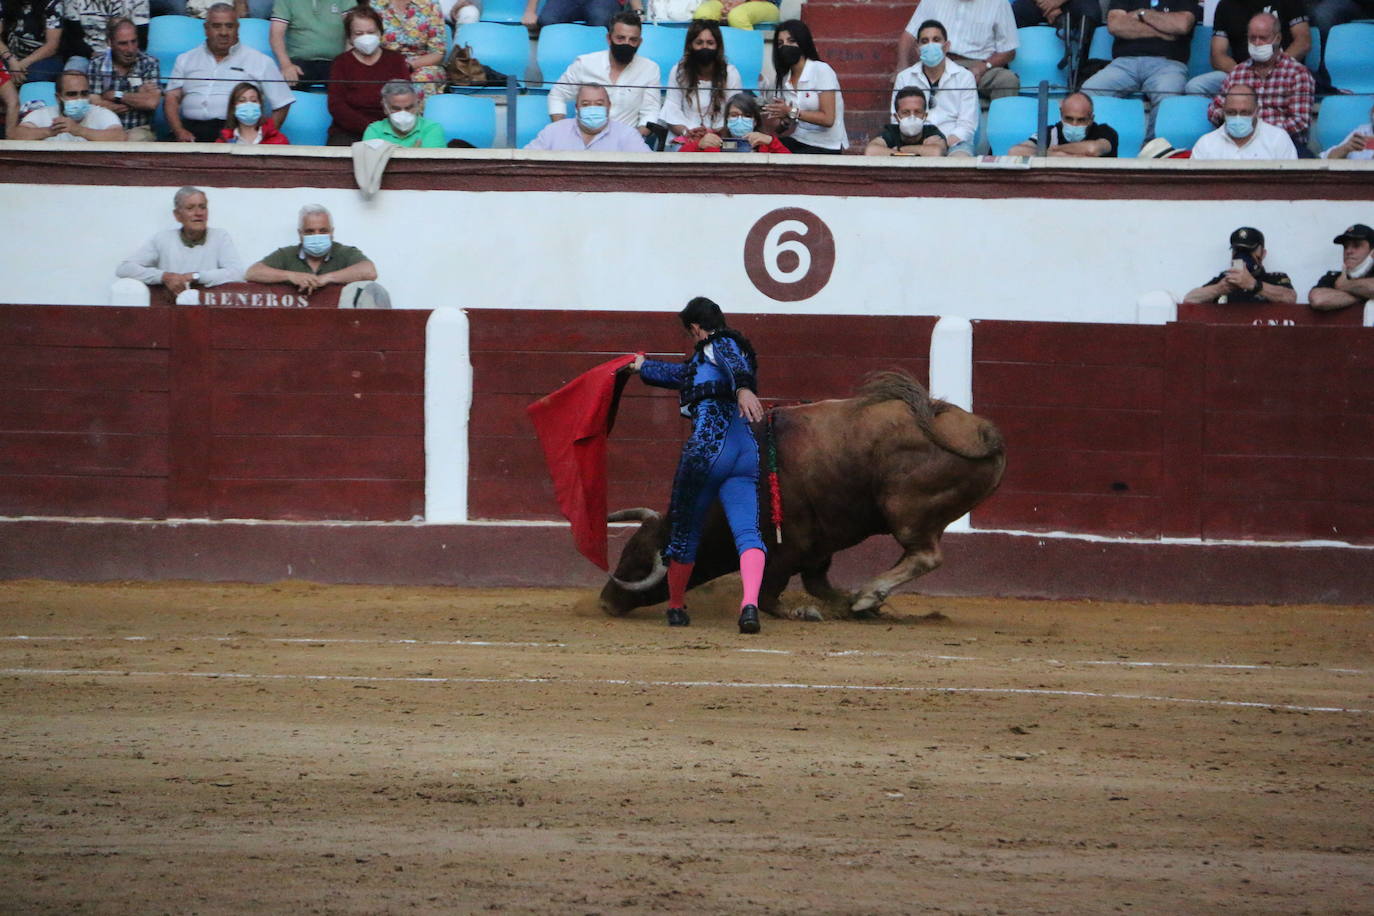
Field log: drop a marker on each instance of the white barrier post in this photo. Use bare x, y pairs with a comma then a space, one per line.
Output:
951, 373
1156, 307
130, 292
448, 404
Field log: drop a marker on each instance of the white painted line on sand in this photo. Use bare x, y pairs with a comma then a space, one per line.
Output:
836, 653
624, 682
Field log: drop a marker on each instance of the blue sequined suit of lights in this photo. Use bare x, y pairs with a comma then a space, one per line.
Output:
721, 458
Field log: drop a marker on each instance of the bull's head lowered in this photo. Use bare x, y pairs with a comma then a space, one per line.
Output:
638, 579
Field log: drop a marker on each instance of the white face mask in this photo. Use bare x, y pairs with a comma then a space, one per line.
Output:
1361, 269
403, 121
911, 125
1261, 53
367, 43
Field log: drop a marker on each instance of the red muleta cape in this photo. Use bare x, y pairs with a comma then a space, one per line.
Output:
573, 424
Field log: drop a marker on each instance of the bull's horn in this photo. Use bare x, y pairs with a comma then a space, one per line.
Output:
643, 585
633, 515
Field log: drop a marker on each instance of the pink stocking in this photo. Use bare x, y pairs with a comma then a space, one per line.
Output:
678, 574
751, 572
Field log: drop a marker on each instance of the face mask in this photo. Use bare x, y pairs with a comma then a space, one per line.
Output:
1074, 133
403, 121
317, 245
704, 57
932, 54
740, 126
593, 117
367, 44
248, 112
1361, 269
1239, 126
1261, 53
76, 108
623, 54
788, 55
911, 126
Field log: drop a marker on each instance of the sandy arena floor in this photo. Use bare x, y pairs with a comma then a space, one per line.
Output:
298, 748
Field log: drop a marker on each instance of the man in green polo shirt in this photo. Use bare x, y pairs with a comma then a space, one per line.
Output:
317, 261
403, 124
306, 36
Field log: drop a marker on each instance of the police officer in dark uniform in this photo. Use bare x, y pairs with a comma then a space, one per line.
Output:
1246, 280
1353, 284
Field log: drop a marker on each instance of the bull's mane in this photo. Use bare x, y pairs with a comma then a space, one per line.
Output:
895, 385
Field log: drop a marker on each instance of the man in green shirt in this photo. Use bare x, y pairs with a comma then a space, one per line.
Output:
306, 36
403, 124
317, 261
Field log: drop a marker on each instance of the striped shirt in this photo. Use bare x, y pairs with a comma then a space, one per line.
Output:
977, 29
105, 77
1285, 95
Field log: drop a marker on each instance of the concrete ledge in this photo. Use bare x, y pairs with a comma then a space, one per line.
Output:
537, 555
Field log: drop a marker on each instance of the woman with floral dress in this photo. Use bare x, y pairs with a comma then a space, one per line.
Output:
415, 28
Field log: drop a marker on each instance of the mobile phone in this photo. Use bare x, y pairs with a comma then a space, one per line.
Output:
1237, 264
734, 145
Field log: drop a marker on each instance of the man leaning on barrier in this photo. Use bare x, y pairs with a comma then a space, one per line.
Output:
194, 255
1353, 284
317, 260
1077, 133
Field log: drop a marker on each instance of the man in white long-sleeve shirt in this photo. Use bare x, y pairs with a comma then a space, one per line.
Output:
192, 256
632, 81
951, 91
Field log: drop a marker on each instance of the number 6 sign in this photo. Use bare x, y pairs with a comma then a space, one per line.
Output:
789, 254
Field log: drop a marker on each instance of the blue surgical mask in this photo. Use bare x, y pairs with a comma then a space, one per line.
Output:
932, 54
740, 126
593, 117
76, 109
317, 245
248, 112
1074, 133
1239, 126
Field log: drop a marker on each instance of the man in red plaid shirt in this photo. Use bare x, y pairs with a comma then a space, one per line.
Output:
1282, 85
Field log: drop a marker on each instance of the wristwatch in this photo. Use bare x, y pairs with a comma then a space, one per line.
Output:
1140, 15
195, 278
794, 113
119, 95
1259, 285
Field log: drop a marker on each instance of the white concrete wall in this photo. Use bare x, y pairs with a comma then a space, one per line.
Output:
1013, 259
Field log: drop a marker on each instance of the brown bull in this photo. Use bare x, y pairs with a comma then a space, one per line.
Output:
890, 461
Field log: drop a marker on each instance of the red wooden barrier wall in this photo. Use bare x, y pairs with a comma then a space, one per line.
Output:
212, 413
519, 356
1183, 430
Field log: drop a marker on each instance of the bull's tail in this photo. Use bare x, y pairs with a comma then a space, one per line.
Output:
894, 385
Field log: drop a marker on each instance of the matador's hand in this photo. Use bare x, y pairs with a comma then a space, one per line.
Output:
749, 406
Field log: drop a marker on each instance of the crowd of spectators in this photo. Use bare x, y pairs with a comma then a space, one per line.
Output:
380, 64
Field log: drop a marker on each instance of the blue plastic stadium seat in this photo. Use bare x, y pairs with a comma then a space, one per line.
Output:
560, 43
307, 123
1350, 56
170, 36
1182, 119
506, 11
1200, 53
1101, 47
464, 117
744, 49
504, 48
38, 91
1010, 121
1127, 118
253, 33
1314, 56
662, 45
1041, 49
1339, 115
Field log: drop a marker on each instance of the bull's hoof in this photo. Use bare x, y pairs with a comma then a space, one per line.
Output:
677, 617
866, 607
806, 612
749, 619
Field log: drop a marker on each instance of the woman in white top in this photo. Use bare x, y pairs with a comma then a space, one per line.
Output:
700, 83
806, 93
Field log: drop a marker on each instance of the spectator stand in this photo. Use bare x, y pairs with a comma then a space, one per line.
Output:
1350, 57
1338, 116
1182, 119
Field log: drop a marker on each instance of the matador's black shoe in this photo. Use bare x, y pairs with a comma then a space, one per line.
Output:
677, 617
749, 619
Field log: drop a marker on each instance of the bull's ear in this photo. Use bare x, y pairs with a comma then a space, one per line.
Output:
640, 514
